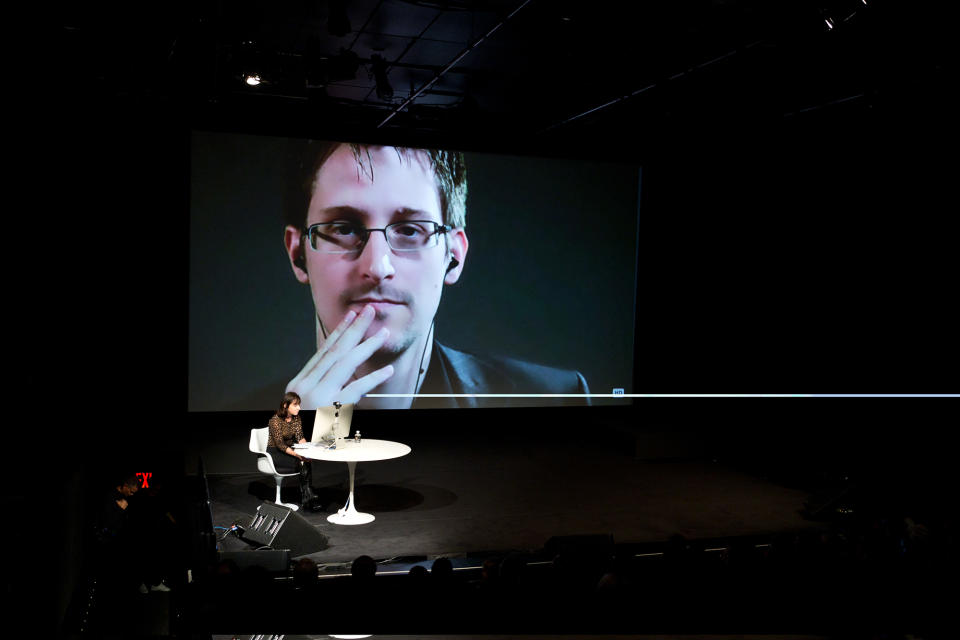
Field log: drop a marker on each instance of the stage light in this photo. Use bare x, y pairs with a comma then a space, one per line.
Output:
384, 90
829, 22
252, 80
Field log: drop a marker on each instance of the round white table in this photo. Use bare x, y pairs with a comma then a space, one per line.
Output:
351, 452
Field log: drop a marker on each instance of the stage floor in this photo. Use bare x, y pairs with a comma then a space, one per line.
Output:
468, 497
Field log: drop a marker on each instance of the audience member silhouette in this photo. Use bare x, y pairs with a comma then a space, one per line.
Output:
417, 583
419, 574
129, 554
616, 579
677, 555
572, 575
512, 572
158, 534
305, 573
486, 584
443, 583
363, 570
226, 570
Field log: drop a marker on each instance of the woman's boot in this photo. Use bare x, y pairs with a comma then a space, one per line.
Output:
308, 499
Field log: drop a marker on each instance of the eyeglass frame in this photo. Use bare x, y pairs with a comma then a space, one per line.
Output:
438, 229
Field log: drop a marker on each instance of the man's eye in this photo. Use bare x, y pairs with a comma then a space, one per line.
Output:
408, 230
342, 229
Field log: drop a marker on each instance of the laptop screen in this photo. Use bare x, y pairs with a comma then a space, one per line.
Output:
327, 416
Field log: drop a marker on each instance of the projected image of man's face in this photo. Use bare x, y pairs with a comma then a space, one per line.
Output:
404, 287
359, 309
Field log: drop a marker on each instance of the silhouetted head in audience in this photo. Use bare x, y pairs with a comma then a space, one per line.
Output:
677, 549
305, 572
616, 575
742, 555
512, 569
490, 570
609, 582
573, 571
441, 569
363, 568
255, 575
419, 573
227, 568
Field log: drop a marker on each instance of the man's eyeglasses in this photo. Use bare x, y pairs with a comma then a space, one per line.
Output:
350, 237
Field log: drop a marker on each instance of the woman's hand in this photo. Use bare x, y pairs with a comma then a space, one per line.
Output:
293, 452
325, 376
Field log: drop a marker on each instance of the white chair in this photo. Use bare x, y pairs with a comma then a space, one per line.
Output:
258, 445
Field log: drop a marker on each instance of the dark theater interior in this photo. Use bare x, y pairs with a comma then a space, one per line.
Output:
642, 310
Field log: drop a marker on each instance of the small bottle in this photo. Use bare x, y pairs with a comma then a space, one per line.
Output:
356, 436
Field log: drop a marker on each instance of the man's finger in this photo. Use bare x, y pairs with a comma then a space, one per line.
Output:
322, 351
345, 366
362, 386
331, 339
336, 369
351, 336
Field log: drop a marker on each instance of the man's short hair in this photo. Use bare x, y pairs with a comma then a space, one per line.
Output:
306, 157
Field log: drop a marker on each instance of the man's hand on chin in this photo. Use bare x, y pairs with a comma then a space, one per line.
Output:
328, 375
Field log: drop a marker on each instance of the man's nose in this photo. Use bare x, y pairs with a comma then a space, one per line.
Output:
376, 259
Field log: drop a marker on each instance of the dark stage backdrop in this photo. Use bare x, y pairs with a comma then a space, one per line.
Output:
550, 275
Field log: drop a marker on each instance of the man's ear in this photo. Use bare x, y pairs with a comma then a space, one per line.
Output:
296, 252
457, 239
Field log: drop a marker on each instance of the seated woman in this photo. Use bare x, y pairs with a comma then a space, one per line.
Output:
285, 431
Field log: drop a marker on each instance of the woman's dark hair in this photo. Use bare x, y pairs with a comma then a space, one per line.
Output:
288, 398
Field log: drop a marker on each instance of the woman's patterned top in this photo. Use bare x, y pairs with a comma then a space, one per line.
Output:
284, 434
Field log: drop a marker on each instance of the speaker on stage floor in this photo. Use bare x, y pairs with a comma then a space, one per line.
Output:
279, 527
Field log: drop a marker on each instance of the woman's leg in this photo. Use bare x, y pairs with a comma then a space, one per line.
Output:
308, 498
284, 462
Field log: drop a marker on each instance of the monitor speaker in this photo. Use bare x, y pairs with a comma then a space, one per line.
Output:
279, 527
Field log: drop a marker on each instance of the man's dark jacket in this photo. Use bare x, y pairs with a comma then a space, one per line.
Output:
458, 372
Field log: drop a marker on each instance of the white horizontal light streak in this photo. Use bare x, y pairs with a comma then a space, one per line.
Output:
663, 395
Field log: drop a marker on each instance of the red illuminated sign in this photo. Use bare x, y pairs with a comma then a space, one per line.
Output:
144, 478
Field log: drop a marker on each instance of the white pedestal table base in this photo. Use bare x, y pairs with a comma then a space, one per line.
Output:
348, 514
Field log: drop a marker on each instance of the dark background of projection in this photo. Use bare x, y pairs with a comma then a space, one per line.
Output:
549, 276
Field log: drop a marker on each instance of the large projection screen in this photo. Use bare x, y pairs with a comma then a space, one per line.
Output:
549, 280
